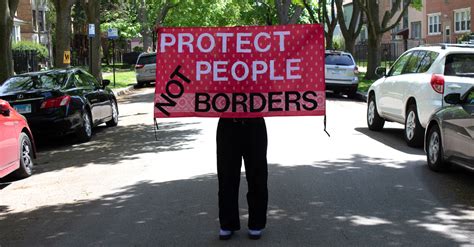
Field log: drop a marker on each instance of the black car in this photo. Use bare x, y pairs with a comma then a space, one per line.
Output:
62, 101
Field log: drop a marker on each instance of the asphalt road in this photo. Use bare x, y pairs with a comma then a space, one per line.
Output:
126, 188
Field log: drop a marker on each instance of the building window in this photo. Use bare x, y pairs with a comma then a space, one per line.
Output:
462, 20
35, 23
434, 24
416, 30
41, 21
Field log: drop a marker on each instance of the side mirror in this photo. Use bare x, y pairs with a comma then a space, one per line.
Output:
105, 83
4, 108
381, 71
453, 98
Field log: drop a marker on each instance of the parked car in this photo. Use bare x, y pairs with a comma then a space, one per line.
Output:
17, 149
63, 101
341, 73
450, 133
414, 87
145, 69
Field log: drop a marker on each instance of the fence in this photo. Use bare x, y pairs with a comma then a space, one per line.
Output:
25, 61
390, 51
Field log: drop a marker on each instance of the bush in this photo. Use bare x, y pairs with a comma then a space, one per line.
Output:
40, 49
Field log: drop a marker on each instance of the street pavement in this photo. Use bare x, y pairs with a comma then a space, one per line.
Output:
133, 185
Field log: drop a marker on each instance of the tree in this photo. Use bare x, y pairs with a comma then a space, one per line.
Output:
7, 14
63, 30
283, 8
92, 9
377, 27
330, 22
352, 31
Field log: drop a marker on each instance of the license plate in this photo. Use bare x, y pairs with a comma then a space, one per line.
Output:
336, 72
25, 108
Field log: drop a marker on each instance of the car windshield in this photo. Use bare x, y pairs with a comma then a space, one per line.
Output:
338, 59
148, 59
32, 82
459, 65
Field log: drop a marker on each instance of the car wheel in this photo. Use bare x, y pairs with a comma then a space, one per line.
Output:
114, 121
84, 133
352, 93
140, 84
374, 121
434, 150
26, 157
413, 130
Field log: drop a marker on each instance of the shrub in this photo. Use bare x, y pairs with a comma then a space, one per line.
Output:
31, 46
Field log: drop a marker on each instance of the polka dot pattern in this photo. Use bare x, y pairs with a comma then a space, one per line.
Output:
268, 59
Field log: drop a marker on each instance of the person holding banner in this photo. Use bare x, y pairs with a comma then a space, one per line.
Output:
239, 138
240, 74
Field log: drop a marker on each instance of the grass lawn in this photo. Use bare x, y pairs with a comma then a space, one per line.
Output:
122, 78
363, 83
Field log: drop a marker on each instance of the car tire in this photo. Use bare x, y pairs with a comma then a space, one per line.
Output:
352, 93
84, 133
26, 157
434, 150
114, 121
414, 132
140, 84
374, 121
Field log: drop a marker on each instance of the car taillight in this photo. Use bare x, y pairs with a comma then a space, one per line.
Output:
437, 83
356, 70
139, 66
56, 102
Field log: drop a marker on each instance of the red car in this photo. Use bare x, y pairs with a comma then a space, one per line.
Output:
17, 149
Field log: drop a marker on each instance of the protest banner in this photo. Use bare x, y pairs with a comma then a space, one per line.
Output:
240, 72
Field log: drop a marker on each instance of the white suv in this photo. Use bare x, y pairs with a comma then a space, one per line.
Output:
414, 87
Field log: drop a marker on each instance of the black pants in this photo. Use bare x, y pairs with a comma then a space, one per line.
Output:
237, 138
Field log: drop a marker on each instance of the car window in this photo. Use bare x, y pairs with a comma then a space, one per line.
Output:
427, 61
148, 59
459, 65
414, 62
338, 59
400, 64
81, 81
90, 79
31, 82
470, 98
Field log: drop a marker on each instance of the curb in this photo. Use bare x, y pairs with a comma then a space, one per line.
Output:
362, 96
123, 91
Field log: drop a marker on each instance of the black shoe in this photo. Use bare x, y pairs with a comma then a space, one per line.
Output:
255, 234
225, 235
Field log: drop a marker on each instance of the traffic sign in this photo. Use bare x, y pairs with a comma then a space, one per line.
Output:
91, 30
67, 57
112, 33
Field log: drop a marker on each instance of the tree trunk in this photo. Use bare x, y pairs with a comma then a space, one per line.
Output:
7, 10
143, 19
63, 31
329, 43
350, 45
93, 17
283, 12
374, 56
351, 32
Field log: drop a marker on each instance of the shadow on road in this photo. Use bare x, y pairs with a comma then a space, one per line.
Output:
392, 138
112, 145
354, 202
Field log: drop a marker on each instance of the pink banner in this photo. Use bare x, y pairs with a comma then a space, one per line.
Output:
240, 72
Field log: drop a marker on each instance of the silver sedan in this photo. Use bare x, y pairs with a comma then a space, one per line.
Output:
449, 136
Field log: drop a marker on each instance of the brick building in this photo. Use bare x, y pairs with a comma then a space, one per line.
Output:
34, 26
448, 20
